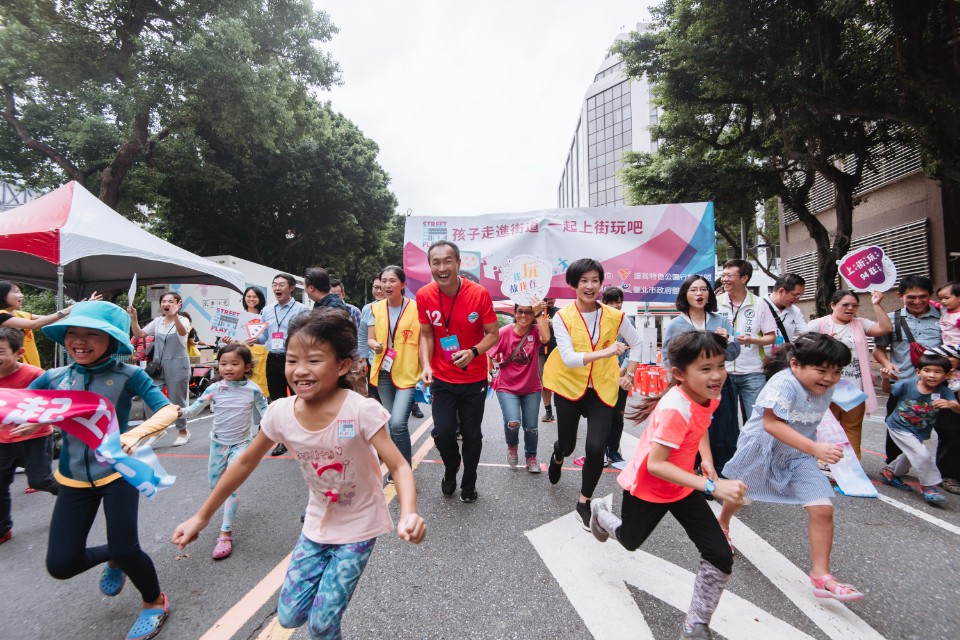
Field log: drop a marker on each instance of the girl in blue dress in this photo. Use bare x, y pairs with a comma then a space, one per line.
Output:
777, 451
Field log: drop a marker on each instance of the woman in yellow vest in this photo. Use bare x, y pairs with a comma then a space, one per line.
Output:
13, 315
584, 375
394, 338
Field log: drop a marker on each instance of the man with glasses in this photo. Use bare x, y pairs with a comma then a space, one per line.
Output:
782, 303
754, 328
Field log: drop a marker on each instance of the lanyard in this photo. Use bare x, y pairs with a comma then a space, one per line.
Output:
446, 319
278, 318
737, 312
393, 331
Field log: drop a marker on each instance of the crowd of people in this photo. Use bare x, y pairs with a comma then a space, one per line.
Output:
341, 384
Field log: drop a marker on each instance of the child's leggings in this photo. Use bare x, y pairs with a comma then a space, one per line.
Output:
222, 456
640, 518
73, 514
319, 584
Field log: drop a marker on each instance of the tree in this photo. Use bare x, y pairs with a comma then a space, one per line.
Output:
743, 76
320, 198
94, 90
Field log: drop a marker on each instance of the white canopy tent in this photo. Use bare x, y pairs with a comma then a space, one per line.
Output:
70, 241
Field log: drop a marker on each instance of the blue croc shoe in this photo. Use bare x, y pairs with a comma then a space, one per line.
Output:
112, 580
150, 620
930, 494
887, 477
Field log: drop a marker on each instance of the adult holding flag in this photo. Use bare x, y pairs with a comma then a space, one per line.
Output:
92, 334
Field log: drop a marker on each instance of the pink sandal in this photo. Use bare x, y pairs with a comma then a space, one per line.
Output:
223, 548
839, 591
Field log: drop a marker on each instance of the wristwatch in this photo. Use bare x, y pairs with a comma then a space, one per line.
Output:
61, 315
710, 487
476, 354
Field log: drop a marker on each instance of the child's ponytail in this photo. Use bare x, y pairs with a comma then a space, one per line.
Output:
682, 352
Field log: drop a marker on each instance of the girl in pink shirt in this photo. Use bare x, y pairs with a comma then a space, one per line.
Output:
336, 436
660, 478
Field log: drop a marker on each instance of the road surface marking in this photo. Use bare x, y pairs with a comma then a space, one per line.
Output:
594, 577
834, 619
926, 517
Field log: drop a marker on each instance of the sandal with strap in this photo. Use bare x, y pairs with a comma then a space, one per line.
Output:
149, 622
887, 477
112, 580
223, 548
930, 494
839, 591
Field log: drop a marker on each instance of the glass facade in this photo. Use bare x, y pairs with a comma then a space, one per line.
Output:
609, 134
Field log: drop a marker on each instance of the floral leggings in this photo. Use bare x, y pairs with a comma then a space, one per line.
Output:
221, 457
320, 581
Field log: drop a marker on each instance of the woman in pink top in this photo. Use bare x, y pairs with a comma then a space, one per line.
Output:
518, 384
844, 325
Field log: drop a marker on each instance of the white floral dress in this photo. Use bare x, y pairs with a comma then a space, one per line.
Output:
772, 470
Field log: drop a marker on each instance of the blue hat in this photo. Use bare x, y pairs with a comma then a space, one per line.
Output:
96, 314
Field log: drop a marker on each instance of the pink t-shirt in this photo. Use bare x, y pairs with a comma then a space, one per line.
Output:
519, 375
340, 467
950, 327
679, 423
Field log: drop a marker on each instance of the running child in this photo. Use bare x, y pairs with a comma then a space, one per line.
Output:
660, 479
237, 401
949, 295
336, 435
777, 451
92, 334
919, 400
35, 451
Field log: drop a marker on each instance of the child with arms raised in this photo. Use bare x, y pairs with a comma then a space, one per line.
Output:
237, 400
660, 479
336, 435
919, 400
777, 451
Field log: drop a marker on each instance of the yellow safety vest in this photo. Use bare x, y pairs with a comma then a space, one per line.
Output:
406, 342
603, 374
30, 353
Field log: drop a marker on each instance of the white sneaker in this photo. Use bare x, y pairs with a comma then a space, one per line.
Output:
182, 440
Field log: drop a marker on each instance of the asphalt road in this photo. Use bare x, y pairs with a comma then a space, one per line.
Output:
512, 565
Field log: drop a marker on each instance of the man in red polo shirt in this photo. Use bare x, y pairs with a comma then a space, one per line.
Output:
457, 326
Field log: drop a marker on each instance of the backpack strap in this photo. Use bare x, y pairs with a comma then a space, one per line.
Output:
776, 316
900, 321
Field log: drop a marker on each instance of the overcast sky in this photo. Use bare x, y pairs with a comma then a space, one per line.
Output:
473, 104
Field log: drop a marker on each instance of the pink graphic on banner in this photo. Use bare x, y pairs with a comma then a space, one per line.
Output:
92, 419
868, 269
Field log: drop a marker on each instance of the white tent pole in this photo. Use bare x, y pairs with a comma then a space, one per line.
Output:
60, 357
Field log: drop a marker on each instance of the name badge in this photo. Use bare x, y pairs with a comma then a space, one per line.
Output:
779, 339
346, 429
388, 357
276, 341
450, 345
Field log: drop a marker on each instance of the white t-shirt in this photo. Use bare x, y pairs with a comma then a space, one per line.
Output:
791, 317
751, 318
158, 327
843, 333
340, 467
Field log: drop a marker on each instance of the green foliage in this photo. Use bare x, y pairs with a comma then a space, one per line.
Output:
94, 89
41, 302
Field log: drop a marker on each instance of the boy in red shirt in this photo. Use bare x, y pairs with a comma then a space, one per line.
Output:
457, 326
35, 451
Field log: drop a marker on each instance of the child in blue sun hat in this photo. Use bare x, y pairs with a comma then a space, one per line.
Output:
92, 334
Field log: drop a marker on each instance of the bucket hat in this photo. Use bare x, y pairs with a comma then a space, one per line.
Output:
95, 314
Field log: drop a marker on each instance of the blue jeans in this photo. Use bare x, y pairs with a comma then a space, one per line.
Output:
398, 402
520, 410
747, 387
